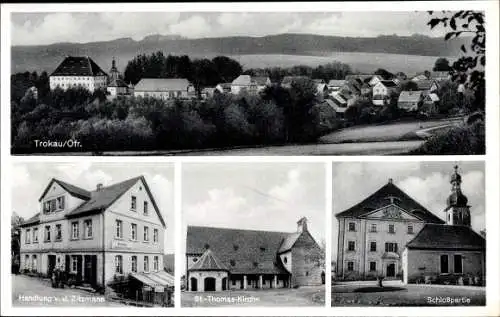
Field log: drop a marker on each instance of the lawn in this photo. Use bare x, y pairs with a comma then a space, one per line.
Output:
354, 294
298, 297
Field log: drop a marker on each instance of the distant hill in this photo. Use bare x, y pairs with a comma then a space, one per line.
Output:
47, 57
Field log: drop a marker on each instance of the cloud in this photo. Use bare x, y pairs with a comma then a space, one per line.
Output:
47, 28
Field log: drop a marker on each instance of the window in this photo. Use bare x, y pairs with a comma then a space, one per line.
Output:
391, 247
352, 226
373, 266
88, 228
155, 235
133, 261
146, 234
373, 246
373, 228
145, 208
58, 233
195, 260
118, 264
35, 235
391, 229
285, 260
146, 263
155, 263
119, 229
262, 249
74, 263
410, 229
444, 263
133, 232
75, 230
233, 282
351, 246
26, 261
350, 266
60, 203
233, 262
47, 233
133, 203
27, 237
235, 247
457, 263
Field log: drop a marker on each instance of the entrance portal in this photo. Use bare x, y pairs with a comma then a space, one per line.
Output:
224, 283
51, 264
194, 284
90, 272
391, 270
210, 284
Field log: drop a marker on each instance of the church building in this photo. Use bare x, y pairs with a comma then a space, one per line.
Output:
116, 86
219, 259
390, 234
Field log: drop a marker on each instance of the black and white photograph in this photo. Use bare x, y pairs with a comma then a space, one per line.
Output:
99, 234
248, 83
409, 234
257, 239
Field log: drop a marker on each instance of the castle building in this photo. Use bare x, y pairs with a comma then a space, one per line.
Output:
78, 71
390, 234
219, 259
95, 236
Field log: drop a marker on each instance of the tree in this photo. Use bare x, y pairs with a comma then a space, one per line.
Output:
227, 69
384, 73
409, 86
441, 65
474, 58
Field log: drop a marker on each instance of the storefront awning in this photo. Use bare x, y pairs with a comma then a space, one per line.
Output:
155, 280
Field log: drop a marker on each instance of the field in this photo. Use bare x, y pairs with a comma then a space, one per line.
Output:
362, 62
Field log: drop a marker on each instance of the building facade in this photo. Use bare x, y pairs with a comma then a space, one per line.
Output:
78, 71
390, 235
220, 259
94, 236
373, 233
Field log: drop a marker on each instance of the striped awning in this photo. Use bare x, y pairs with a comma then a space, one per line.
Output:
157, 281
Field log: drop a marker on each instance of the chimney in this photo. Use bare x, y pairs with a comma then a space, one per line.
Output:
302, 225
99, 187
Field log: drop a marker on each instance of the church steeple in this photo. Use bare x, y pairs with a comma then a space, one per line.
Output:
457, 210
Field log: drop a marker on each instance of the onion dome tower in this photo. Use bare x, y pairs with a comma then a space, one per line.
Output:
457, 210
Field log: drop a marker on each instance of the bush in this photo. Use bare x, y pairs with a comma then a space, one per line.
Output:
462, 140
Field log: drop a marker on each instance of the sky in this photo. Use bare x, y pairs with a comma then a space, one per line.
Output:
47, 28
426, 182
32, 178
258, 196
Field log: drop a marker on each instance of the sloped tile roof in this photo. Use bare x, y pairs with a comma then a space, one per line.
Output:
424, 84
336, 82
242, 80
260, 80
31, 221
162, 84
71, 189
241, 251
208, 262
410, 96
388, 83
448, 237
78, 66
378, 200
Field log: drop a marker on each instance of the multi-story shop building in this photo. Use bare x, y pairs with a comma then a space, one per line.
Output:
94, 236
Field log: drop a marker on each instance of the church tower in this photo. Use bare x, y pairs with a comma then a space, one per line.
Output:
457, 210
113, 72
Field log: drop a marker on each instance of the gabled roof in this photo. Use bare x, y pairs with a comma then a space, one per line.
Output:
101, 199
208, 262
31, 221
162, 84
117, 82
447, 237
379, 199
410, 96
388, 83
73, 190
78, 66
289, 242
243, 80
432, 97
336, 105
241, 251
336, 82
424, 84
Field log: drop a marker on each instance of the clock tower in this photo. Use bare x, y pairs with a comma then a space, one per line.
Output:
457, 210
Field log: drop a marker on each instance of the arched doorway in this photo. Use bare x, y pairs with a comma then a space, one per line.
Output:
224, 283
210, 284
322, 277
194, 284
